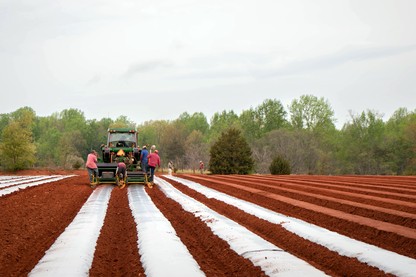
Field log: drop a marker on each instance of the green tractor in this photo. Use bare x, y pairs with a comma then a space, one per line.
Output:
121, 146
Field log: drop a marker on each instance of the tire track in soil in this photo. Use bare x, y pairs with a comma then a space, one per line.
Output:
320, 257
387, 240
213, 255
117, 253
32, 219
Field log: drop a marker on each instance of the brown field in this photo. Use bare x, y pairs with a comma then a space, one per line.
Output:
378, 210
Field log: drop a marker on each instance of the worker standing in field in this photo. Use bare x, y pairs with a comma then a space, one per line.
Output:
154, 161
92, 168
170, 168
201, 167
144, 159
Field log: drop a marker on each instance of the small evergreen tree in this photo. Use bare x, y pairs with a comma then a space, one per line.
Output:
231, 154
280, 166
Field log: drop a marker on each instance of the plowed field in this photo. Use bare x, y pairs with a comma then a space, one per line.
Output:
375, 211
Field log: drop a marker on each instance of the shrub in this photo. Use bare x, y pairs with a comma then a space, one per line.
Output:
74, 162
280, 166
231, 154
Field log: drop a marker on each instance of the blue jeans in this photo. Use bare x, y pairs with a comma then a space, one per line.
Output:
145, 167
91, 171
152, 173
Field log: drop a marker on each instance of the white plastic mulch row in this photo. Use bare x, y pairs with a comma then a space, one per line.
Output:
72, 253
387, 261
9, 178
16, 180
270, 258
31, 182
162, 252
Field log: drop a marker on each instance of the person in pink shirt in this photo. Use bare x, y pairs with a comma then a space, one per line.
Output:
153, 161
91, 166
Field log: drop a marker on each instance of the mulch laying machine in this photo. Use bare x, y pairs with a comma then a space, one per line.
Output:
121, 146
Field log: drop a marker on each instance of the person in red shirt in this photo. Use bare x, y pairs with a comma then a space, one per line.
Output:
91, 166
153, 162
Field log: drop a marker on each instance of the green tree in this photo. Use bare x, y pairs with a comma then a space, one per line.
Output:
363, 148
311, 113
172, 142
272, 115
268, 116
250, 124
17, 150
194, 122
231, 154
123, 122
401, 141
221, 122
151, 132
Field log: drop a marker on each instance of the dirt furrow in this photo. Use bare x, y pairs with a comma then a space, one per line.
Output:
116, 253
32, 219
366, 230
334, 201
328, 261
213, 255
393, 185
400, 195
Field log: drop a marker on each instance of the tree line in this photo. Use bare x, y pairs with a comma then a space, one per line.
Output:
304, 134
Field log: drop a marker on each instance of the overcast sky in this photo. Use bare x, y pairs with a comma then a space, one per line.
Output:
151, 60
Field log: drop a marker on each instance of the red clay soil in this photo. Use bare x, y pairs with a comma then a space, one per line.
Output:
116, 253
32, 219
394, 237
211, 253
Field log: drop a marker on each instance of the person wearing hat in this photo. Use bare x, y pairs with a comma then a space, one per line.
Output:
154, 161
91, 166
144, 159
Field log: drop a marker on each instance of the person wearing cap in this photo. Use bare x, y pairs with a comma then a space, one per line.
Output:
91, 166
154, 161
144, 159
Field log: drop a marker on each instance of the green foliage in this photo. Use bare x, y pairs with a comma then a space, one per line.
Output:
311, 113
17, 151
312, 144
123, 122
231, 154
221, 122
363, 144
268, 116
194, 122
280, 166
